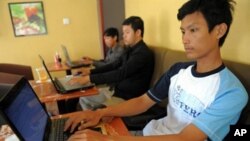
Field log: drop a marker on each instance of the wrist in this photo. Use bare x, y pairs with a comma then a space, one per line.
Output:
101, 112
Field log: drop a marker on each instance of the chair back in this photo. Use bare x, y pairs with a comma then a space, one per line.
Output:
18, 69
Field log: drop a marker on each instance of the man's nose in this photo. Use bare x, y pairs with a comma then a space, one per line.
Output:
185, 39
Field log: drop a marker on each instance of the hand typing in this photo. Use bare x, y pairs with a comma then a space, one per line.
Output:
82, 120
87, 60
79, 80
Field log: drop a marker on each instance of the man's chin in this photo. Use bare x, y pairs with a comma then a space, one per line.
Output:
126, 44
190, 56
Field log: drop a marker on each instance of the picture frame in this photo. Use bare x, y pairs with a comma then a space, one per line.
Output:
28, 18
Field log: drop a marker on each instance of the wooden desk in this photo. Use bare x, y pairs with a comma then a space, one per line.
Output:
48, 95
63, 67
52, 67
115, 127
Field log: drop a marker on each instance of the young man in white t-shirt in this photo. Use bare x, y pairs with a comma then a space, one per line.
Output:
205, 98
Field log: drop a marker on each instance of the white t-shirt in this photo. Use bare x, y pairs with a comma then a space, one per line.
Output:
211, 101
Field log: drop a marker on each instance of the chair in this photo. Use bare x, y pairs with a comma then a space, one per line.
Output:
164, 59
18, 69
138, 122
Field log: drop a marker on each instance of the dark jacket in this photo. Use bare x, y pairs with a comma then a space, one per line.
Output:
131, 73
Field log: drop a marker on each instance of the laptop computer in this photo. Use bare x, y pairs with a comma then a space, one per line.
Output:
69, 62
24, 113
61, 84
27, 117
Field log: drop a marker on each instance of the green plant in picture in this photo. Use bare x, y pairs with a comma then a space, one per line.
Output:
28, 18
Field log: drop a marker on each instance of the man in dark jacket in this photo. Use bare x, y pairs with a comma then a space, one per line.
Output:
130, 75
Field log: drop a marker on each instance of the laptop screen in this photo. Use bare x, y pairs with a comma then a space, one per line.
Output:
66, 54
26, 114
50, 77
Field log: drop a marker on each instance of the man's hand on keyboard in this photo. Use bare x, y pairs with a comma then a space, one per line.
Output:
83, 120
79, 80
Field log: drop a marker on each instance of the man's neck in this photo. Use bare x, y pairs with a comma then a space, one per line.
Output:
136, 41
209, 63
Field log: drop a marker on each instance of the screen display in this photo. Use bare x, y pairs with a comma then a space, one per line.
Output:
28, 115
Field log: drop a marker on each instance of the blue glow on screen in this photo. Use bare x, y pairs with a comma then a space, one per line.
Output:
28, 115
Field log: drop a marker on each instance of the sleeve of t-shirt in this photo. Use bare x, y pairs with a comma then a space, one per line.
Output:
215, 120
160, 91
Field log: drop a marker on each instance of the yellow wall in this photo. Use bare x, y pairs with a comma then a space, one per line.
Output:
81, 36
163, 29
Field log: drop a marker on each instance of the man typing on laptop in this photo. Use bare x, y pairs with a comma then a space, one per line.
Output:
114, 50
204, 97
130, 75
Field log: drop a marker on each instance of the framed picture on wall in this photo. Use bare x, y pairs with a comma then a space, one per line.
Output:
28, 18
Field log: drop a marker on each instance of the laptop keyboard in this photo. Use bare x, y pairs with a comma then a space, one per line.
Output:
59, 85
60, 135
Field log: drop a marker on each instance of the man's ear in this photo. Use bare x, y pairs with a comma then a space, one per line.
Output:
115, 37
138, 32
221, 30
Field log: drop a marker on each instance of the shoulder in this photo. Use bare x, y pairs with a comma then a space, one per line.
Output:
119, 48
141, 48
175, 68
234, 85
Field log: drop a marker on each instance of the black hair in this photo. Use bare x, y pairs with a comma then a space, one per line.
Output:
135, 22
214, 11
112, 32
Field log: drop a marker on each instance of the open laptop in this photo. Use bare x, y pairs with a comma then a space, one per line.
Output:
24, 113
27, 117
69, 62
61, 84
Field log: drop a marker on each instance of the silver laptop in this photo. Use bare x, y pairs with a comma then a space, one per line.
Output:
61, 84
69, 62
